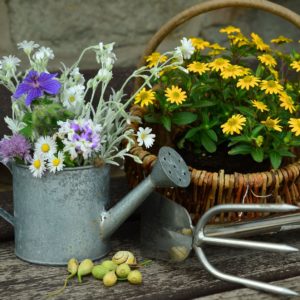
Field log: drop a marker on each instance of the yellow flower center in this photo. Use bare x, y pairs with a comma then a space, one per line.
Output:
271, 84
45, 148
72, 98
143, 96
232, 122
56, 161
37, 163
270, 123
175, 95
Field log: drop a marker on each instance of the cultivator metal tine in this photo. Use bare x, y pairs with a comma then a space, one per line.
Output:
200, 239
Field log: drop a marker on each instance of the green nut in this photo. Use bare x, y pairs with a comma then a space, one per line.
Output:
123, 270
99, 271
109, 265
135, 277
110, 279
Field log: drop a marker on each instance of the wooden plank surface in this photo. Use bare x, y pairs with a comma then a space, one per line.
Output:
162, 280
247, 294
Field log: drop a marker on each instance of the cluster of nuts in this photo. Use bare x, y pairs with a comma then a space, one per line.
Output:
118, 268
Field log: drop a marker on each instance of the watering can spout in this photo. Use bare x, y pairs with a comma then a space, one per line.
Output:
169, 170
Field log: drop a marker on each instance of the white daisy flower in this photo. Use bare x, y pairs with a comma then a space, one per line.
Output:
73, 98
27, 46
10, 63
145, 137
186, 48
56, 162
38, 166
45, 146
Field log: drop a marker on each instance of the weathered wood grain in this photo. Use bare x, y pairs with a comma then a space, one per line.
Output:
162, 280
247, 294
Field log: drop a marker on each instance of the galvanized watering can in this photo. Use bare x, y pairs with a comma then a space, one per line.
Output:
63, 215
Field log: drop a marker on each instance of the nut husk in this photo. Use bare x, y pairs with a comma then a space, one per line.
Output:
110, 278
135, 277
85, 268
123, 270
99, 271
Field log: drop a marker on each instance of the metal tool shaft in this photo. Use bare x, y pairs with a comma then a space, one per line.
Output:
236, 243
244, 281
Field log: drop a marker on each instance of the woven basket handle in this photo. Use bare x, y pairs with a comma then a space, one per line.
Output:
207, 6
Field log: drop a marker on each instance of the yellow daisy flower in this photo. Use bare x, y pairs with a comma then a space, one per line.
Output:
259, 43
155, 58
219, 64
271, 86
287, 102
239, 40
232, 71
272, 124
198, 67
175, 95
295, 125
234, 124
281, 40
144, 97
230, 29
296, 65
267, 60
214, 52
247, 82
199, 44
259, 105
216, 46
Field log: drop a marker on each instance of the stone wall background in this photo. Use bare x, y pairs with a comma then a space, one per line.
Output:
67, 26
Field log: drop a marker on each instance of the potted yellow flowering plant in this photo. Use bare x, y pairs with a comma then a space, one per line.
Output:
237, 100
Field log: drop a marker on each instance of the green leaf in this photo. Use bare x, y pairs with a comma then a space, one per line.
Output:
183, 118
285, 152
246, 111
191, 132
275, 159
257, 154
166, 121
204, 103
207, 143
27, 131
256, 130
212, 135
152, 118
240, 149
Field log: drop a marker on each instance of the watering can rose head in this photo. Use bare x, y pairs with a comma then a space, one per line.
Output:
242, 98
59, 120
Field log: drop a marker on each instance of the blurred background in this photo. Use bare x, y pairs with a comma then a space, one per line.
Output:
68, 26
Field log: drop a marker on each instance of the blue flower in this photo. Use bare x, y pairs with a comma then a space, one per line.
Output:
35, 85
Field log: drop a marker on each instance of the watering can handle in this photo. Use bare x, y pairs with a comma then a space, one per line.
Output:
3, 213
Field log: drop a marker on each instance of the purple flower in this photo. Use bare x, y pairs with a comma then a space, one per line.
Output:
14, 147
35, 85
83, 132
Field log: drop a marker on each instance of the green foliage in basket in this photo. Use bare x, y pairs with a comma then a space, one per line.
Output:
245, 96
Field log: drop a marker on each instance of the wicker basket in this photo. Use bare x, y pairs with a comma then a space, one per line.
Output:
208, 189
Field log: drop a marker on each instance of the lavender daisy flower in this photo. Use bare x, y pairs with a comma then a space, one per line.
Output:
35, 85
14, 147
80, 137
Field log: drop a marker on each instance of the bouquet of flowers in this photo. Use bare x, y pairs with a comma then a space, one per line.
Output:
244, 96
63, 120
